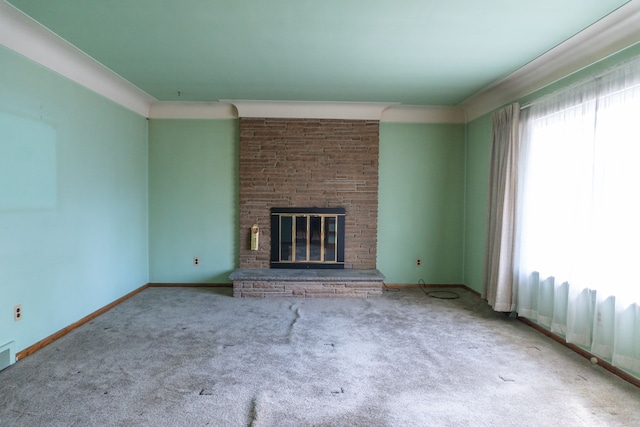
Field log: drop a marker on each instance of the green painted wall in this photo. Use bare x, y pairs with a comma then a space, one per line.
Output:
478, 148
193, 202
478, 158
420, 202
193, 179
73, 210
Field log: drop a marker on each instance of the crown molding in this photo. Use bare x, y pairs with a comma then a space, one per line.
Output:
613, 33
310, 110
423, 114
27, 37
192, 110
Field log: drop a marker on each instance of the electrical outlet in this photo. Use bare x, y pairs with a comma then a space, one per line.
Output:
196, 261
17, 312
418, 262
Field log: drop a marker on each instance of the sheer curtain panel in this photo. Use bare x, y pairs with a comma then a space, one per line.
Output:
578, 234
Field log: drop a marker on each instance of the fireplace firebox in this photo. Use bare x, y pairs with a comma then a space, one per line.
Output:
307, 237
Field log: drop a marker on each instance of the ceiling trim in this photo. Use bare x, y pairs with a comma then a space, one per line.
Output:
192, 110
611, 34
423, 114
313, 110
27, 37
310, 110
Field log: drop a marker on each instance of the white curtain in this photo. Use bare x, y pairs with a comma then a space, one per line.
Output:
498, 284
578, 238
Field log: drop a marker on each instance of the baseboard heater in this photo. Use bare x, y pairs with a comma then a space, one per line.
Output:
7, 355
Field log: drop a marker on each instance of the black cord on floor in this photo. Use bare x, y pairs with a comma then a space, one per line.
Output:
437, 294
443, 295
388, 289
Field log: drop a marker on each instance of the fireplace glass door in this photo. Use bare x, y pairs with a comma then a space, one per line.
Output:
307, 239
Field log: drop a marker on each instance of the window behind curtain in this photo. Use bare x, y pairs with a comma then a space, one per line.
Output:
578, 234
580, 218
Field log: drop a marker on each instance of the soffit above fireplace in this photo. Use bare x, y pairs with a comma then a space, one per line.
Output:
310, 110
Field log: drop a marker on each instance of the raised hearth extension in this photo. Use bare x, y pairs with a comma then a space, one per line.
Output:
312, 283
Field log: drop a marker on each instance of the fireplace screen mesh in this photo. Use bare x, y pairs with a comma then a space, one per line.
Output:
307, 237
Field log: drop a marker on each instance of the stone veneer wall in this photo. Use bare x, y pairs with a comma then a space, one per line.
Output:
309, 163
306, 289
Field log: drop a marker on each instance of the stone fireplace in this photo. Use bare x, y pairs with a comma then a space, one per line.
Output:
312, 163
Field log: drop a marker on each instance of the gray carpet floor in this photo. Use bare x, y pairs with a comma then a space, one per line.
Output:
197, 356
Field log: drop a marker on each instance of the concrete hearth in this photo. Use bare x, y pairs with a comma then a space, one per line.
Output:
308, 283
